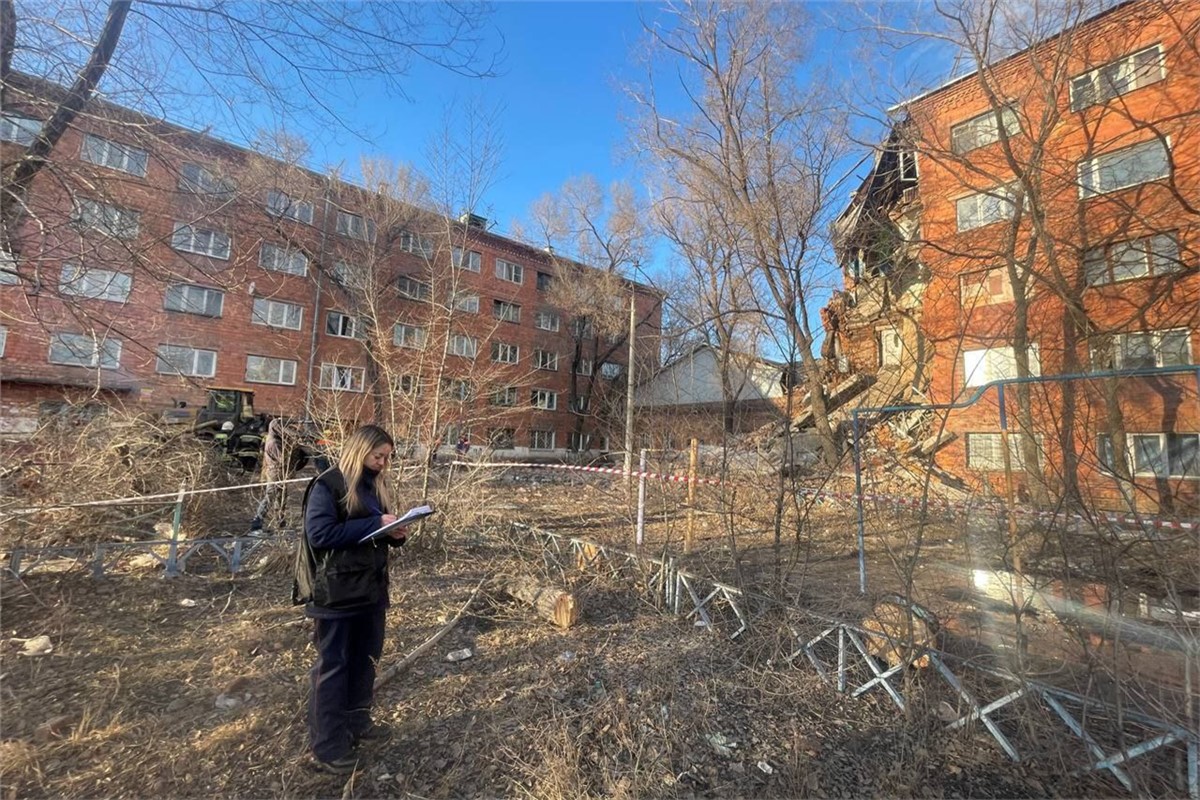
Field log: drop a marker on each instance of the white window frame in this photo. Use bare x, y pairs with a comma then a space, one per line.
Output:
1116, 348
474, 260
460, 344
186, 292
1090, 171
506, 397
580, 405
510, 272
1101, 86
1000, 197
984, 129
416, 244
407, 385
94, 284
982, 366
281, 204
579, 442
277, 314
107, 219
201, 241
585, 367
506, 311
277, 258
342, 378
19, 129
413, 289
284, 375
165, 366
1159, 255
411, 337
99, 353
506, 353
355, 226
457, 390
3, 340
547, 439
544, 399
468, 303
993, 459
545, 359
114, 155
547, 321
341, 325
196, 178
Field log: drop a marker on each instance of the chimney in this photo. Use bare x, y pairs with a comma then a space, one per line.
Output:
473, 220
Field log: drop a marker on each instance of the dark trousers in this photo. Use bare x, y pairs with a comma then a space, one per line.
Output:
343, 681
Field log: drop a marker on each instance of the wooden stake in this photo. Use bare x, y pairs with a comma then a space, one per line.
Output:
693, 457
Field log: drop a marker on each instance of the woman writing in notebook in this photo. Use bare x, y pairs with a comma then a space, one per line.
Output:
343, 582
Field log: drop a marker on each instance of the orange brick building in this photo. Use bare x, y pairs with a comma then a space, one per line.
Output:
1038, 218
155, 262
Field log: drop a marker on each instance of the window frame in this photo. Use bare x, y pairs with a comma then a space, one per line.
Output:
357, 330
1152, 257
280, 362
552, 318
82, 273
1098, 82
107, 219
193, 234
534, 435
293, 208
459, 301
412, 289
358, 377
1016, 459
12, 122
1118, 348
189, 288
99, 349
1005, 115
970, 381
456, 339
510, 271
505, 397
269, 305
502, 438
131, 160
1094, 168
506, 311
284, 259
1002, 194
353, 223
205, 182
403, 331
506, 349
193, 372
550, 399
538, 360
474, 260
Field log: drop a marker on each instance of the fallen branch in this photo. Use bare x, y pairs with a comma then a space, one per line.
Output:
391, 672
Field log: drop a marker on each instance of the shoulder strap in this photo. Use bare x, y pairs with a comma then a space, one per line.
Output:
335, 482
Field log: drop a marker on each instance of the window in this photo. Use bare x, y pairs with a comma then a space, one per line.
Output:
19, 130
1120, 169
3, 339
8, 270
355, 226
504, 397
541, 440
544, 281
546, 321
409, 385
983, 129
504, 353
345, 273
412, 288
463, 345
115, 156
120, 223
610, 371
984, 451
544, 399
194, 300
1137, 258
468, 303
1175, 455
584, 367
94, 284
416, 244
506, 312
280, 204
544, 359
200, 180
582, 328
998, 363
1118, 77
204, 242
579, 442
342, 379
81, 350
984, 208
579, 405
178, 360
343, 326
456, 389
1143, 350
282, 259
985, 288
264, 369
501, 438
473, 260
277, 314
410, 336
508, 271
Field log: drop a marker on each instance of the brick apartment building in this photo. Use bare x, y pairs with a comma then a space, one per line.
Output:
155, 262
1038, 218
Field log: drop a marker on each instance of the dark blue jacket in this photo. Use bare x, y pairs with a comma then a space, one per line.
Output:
344, 577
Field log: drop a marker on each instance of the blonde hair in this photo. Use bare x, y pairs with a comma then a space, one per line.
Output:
352, 463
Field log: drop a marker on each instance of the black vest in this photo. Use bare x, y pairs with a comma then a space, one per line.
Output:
342, 578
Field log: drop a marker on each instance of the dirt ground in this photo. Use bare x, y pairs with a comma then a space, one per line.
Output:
195, 686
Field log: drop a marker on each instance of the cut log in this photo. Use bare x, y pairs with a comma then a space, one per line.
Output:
551, 603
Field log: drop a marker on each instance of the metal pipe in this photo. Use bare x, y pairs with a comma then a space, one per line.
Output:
858, 496
641, 506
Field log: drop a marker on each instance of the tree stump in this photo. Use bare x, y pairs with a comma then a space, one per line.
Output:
550, 603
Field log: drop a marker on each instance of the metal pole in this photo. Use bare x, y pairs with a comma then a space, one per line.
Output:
1018, 587
693, 457
176, 524
641, 508
629, 388
858, 496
